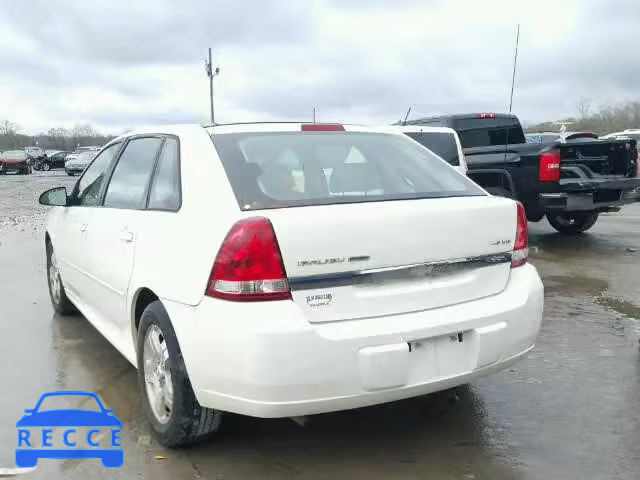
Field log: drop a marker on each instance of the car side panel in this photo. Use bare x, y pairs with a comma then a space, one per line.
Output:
175, 251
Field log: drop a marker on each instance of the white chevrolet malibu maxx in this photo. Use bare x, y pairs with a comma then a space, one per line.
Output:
281, 270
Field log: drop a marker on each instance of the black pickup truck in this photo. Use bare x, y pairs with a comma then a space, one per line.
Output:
570, 183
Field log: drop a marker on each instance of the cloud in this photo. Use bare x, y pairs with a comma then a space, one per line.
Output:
118, 64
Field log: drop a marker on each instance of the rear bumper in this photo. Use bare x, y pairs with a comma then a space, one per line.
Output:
266, 360
592, 195
74, 170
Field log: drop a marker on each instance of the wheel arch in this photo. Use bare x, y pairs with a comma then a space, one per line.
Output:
143, 297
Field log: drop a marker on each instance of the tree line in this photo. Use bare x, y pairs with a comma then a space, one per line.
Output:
600, 119
54, 139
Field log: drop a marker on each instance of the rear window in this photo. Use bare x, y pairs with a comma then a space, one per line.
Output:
486, 132
441, 143
286, 169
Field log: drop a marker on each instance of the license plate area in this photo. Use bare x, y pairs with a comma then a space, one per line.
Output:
444, 356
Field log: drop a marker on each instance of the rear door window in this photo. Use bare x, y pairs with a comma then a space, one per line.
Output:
284, 169
165, 187
128, 185
442, 144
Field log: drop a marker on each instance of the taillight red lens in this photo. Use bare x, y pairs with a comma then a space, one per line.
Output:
521, 245
322, 127
550, 166
249, 264
487, 115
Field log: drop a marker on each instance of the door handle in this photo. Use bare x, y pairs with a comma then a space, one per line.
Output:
126, 236
83, 227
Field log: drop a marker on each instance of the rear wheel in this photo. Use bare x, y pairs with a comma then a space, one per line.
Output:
59, 300
169, 403
46, 167
572, 223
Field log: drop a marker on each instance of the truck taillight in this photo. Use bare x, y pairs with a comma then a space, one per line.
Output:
521, 245
550, 166
249, 264
487, 115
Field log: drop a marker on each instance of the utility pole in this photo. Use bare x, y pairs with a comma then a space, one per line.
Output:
211, 72
515, 60
314, 114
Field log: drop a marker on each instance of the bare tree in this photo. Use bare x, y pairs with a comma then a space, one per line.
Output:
583, 107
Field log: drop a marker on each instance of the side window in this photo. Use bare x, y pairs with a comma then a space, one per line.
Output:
90, 184
165, 190
128, 185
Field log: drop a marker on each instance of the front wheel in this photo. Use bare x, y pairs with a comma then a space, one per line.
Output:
59, 300
572, 223
46, 167
170, 404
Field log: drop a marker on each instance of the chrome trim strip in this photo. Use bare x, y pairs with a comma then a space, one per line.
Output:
404, 272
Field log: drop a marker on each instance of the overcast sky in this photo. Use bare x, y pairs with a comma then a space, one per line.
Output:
121, 64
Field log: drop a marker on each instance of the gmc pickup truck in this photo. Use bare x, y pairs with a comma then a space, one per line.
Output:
570, 183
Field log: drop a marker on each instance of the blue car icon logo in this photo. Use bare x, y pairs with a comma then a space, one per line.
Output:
35, 433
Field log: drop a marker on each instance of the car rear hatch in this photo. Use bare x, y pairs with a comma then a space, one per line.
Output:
369, 223
361, 260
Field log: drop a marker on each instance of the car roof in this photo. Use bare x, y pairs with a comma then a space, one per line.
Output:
190, 129
459, 116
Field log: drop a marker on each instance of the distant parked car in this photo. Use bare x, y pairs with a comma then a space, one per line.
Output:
79, 150
77, 165
54, 160
15, 161
564, 137
36, 153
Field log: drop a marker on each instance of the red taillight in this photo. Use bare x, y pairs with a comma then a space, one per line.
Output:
487, 115
521, 245
550, 166
322, 127
249, 265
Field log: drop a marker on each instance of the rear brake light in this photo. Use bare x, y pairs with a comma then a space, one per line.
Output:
322, 127
521, 245
550, 166
249, 264
487, 115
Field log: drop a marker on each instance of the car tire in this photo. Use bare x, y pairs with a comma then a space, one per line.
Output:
572, 223
183, 422
61, 303
46, 167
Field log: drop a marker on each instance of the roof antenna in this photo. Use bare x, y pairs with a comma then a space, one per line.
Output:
406, 116
515, 60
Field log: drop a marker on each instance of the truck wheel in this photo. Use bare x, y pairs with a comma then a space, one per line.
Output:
572, 223
499, 192
169, 403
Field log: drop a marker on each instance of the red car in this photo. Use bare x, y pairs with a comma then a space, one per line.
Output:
15, 161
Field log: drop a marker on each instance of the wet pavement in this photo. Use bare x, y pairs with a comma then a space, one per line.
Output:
570, 410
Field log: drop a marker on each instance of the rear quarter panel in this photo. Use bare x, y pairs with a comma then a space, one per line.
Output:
174, 251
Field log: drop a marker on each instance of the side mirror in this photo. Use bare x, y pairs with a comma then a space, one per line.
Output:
56, 197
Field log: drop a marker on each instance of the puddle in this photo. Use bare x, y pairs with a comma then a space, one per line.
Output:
620, 306
574, 284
